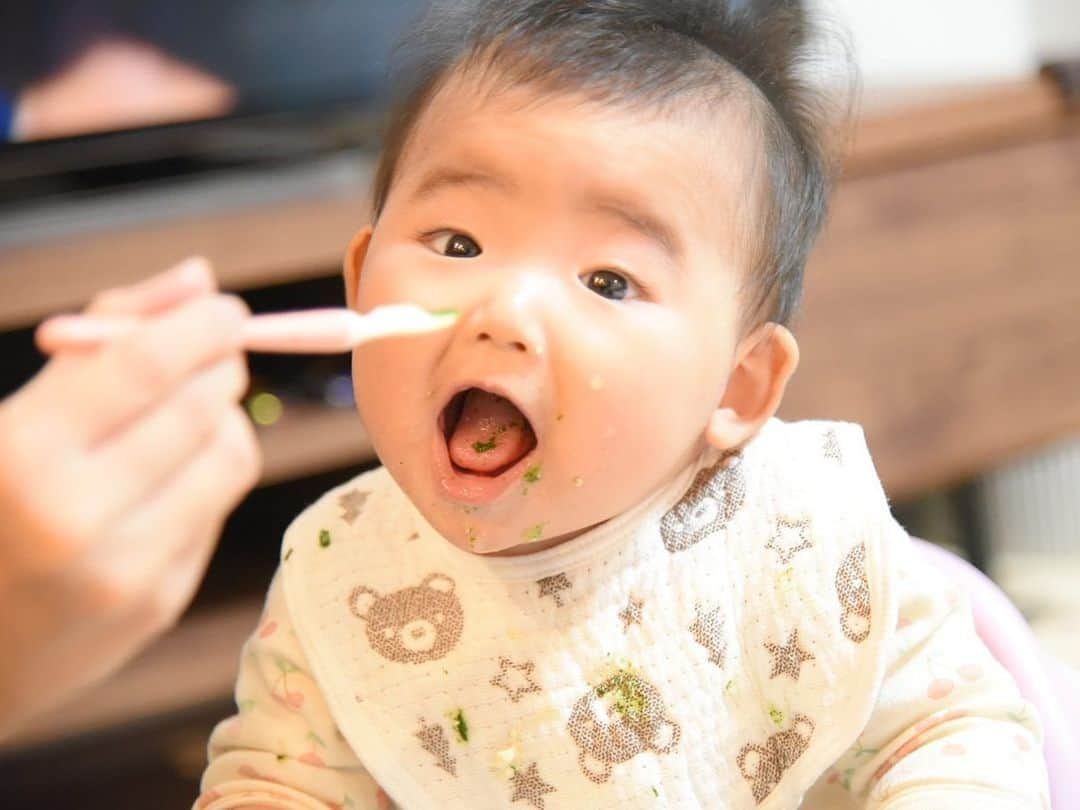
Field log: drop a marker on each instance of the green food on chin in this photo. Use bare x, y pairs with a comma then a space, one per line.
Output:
324, 538
533, 533
533, 474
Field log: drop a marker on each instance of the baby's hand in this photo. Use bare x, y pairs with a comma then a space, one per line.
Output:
118, 469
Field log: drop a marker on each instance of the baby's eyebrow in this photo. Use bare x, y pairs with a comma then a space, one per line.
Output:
447, 177
639, 219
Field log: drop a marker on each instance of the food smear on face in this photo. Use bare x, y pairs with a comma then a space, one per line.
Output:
533, 474
533, 533
489, 434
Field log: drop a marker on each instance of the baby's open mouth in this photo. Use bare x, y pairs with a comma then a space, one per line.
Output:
486, 434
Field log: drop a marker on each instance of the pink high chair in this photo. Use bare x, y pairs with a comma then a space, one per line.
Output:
1050, 685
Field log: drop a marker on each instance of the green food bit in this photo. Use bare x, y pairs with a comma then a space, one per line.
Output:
288, 552
282, 757
444, 312
461, 728
628, 697
655, 792
324, 538
533, 532
533, 474
776, 715
484, 447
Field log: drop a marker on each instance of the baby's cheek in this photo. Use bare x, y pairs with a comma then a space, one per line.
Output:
636, 436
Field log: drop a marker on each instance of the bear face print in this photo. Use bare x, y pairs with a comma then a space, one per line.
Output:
709, 504
614, 722
763, 765
416, 624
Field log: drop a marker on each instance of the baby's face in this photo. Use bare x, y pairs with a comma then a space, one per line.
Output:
593, 255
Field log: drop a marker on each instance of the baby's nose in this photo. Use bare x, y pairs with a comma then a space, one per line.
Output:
512, 319
504, 342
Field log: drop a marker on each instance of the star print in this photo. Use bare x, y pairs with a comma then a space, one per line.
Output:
787, 659
790, 537
433, 740
519, 673
631, 614
530, 787
551, 586
708, 631
352, 503
832, 445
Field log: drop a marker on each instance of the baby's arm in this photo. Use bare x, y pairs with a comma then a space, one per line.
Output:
282, 749
950, 729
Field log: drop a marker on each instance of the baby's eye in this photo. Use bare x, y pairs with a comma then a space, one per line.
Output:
607, 283
456, 245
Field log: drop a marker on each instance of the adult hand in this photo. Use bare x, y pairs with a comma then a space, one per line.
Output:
118, 468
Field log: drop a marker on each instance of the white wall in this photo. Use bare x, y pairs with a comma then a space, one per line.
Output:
926, 43
1057, 28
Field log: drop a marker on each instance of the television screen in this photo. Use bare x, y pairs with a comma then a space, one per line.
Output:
96, 95
76, 67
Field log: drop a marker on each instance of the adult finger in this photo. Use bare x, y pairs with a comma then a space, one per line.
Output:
140, 459
158, 293
90, 400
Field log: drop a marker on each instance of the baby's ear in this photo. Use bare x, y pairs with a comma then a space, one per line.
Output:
353, 265
764, 362
361, 600
438, 582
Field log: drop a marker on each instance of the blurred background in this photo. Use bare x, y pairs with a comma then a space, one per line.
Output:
941, 310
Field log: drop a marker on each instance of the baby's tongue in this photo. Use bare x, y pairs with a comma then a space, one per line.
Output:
491, 433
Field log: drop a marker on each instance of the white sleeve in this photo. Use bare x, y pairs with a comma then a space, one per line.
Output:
282, 749
950, 729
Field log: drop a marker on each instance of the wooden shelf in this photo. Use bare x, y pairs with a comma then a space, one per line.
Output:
940, 312
903, 132
257, 230
310, 439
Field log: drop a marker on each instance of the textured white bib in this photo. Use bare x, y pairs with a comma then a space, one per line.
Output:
718, 646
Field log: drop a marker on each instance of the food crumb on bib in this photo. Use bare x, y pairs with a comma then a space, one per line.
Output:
461, 726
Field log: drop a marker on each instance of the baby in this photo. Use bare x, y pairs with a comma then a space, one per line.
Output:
595, 572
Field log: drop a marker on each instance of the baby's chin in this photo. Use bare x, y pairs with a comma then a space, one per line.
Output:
514, 534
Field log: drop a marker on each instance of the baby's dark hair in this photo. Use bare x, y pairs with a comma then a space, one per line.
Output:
654, 53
